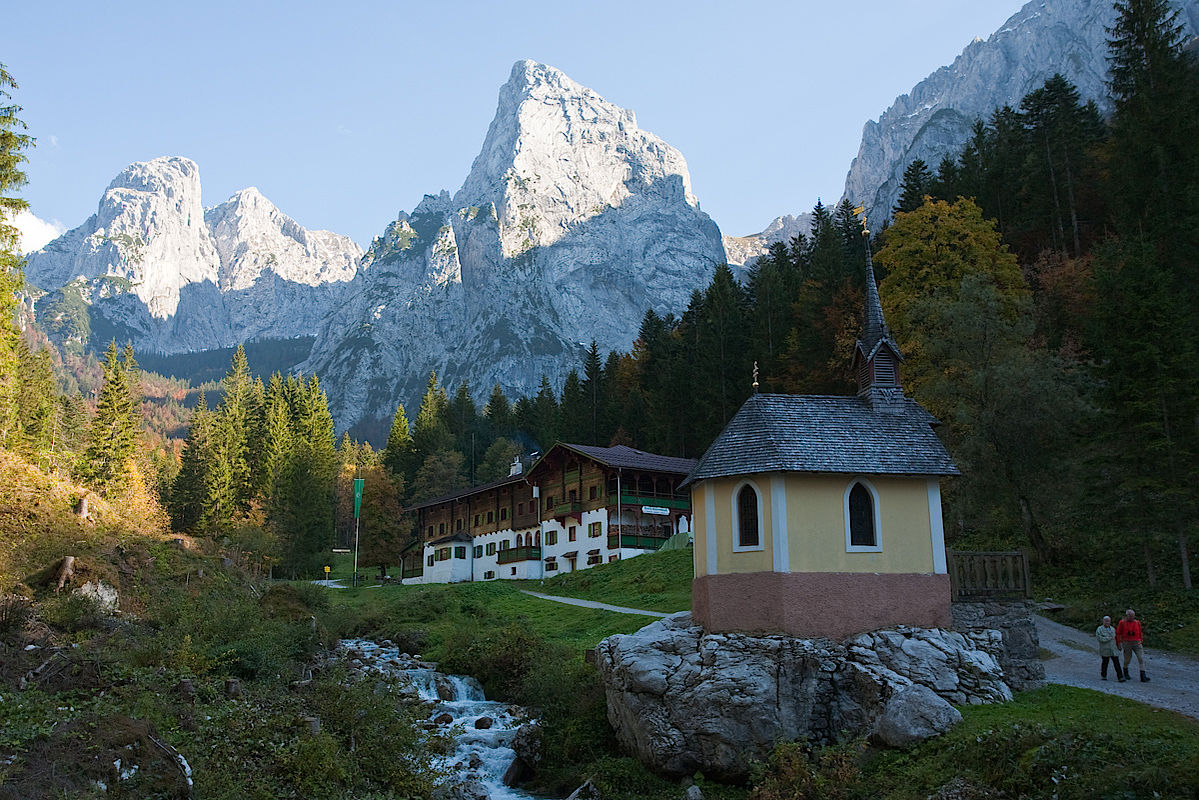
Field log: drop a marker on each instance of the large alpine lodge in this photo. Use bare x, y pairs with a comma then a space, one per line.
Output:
576, 507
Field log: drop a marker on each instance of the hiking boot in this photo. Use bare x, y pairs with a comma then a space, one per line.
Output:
1144, 677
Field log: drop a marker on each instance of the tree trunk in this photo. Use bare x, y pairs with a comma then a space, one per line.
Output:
1184, 553
65, 572
1150, 576
1032, 530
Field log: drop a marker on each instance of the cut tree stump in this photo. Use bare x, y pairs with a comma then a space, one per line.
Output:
66, 571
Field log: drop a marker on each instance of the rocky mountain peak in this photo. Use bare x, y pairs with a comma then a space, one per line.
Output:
557, 153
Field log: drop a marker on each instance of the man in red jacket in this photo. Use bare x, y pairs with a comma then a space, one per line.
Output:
1128, 637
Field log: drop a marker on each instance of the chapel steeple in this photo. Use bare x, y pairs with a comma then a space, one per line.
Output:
877, 357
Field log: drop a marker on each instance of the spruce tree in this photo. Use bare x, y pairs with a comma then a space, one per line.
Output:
917, 182
113, 434
398, 455
190, 487
574, 425
432, 431
13, 141
499, 415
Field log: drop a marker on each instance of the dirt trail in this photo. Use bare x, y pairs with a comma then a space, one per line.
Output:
1174, 678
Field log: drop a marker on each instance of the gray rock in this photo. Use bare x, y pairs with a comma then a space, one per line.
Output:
104, 595
684, 701
913, 714
585, 792
693, 793
527, 744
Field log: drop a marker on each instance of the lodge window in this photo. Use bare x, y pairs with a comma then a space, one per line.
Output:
440, 528
574, 495
513, 571
520, 508
503, 513
549, 501
431, 559
593, 530
614, 557
430, 530
478, 551
571, 533
551, 538
491, 548
488, 575
504, 545
460, 552
458, 524
490, 517
520, 540
747, 518
862, 518
594, 559
593, 492
443, 554
551, 566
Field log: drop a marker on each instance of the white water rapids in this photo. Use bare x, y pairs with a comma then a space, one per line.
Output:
481, 756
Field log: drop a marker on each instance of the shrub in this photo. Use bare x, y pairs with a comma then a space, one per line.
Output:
15, 612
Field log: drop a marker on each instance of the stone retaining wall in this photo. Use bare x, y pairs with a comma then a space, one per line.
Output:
1021, 657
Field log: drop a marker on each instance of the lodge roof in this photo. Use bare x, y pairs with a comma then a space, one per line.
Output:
818, 433
625, 457
458, 495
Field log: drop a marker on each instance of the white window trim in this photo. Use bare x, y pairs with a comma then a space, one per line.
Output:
877, 547
761, 545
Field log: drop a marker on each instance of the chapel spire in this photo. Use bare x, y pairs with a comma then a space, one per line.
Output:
877, 357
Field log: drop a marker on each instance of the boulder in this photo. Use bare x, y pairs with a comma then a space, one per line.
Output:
912, 715
104, 596
443, 719
483, 723
684, 701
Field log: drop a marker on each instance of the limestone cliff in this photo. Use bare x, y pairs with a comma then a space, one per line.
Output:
571, 224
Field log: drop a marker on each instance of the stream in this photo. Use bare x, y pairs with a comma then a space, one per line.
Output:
483, 752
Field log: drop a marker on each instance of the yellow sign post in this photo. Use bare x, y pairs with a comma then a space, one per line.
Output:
326, 572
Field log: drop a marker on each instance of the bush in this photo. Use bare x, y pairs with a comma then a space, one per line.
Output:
72, 613
798, 771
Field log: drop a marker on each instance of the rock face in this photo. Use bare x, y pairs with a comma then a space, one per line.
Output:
571, 224
1021, 656
153, 266
681, 700
743, 251
934, 119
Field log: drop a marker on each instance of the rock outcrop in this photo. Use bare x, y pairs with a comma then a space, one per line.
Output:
681, 700
743, 251
571, 224
934, 119
152, 266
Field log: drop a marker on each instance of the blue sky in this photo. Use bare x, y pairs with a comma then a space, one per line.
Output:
345, 113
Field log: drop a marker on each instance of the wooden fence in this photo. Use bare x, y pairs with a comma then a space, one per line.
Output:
975, 576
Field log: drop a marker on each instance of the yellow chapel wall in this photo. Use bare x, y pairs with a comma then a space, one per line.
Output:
814, 526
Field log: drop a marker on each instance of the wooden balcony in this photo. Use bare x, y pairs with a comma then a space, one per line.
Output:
513, 554
679, 502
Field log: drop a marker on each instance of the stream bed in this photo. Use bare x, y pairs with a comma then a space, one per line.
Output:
483, 730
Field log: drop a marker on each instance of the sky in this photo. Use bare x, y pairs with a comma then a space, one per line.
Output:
344, 114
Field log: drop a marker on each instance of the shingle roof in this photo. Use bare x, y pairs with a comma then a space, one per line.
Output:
627, 457
812, 433
445, 498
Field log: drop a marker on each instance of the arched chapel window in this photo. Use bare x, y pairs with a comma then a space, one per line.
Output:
861, 517
747, 517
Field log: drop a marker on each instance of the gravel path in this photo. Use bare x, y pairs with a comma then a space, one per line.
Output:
571, 601
1174, 679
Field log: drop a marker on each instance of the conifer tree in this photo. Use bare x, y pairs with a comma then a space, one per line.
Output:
398, 455
572, 411
917, 182
499, 414
276, 438
432, 431
113, 434
545, 419
13, 141
301, 510
229, 486
190, 487
594, 393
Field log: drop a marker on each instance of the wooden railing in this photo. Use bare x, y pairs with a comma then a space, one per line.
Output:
518, 554
975, 576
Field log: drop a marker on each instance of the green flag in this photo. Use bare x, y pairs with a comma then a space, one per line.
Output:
358, 495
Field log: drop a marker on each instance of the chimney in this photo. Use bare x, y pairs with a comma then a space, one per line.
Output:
517, 468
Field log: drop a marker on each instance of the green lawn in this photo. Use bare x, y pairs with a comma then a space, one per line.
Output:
655, 582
